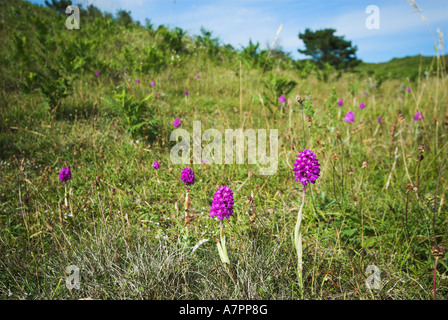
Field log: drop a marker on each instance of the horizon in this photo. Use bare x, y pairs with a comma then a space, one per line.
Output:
402, 31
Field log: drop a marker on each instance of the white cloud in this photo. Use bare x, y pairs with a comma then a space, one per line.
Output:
236, 22
397, 19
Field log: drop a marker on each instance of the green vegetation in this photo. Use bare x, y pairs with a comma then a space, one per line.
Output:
71, 98
324, 47
411, 68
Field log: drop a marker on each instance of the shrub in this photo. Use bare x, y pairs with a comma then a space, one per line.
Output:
134, 111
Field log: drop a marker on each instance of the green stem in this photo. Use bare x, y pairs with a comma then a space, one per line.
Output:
65, 196
435, 270
298, 244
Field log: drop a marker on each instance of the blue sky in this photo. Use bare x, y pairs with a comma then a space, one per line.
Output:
403, 31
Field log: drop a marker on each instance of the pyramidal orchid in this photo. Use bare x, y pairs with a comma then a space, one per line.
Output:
418, 116
349, 117
64, 175
306, 167
222, 208
306, 170
187, 177
222, 205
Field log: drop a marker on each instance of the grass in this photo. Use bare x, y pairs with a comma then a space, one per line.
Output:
407, 67
124, 224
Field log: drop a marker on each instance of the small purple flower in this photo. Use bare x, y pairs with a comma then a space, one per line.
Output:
156, 165
306, 167
97, 74
340, 102
153, 83
367, 94
198, 76
187, 176
65, 175
408, 89
281, 99
362, 106
350, 117
308, 96
222, 205
203, 160
418, 116
380, 119
137, 80
176, 122
186, 92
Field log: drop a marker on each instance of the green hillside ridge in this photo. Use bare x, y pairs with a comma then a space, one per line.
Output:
108, 45
402, 68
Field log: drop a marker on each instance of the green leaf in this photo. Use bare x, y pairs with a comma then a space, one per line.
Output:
349, 232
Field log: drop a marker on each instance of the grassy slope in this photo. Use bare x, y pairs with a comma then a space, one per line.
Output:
124, 224
407, 67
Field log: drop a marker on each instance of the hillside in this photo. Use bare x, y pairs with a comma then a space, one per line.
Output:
402, 68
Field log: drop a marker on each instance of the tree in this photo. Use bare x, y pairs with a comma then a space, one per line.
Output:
252, 56
148, 24
210, 44
124, 17
324, 47
93, 12
59, 6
